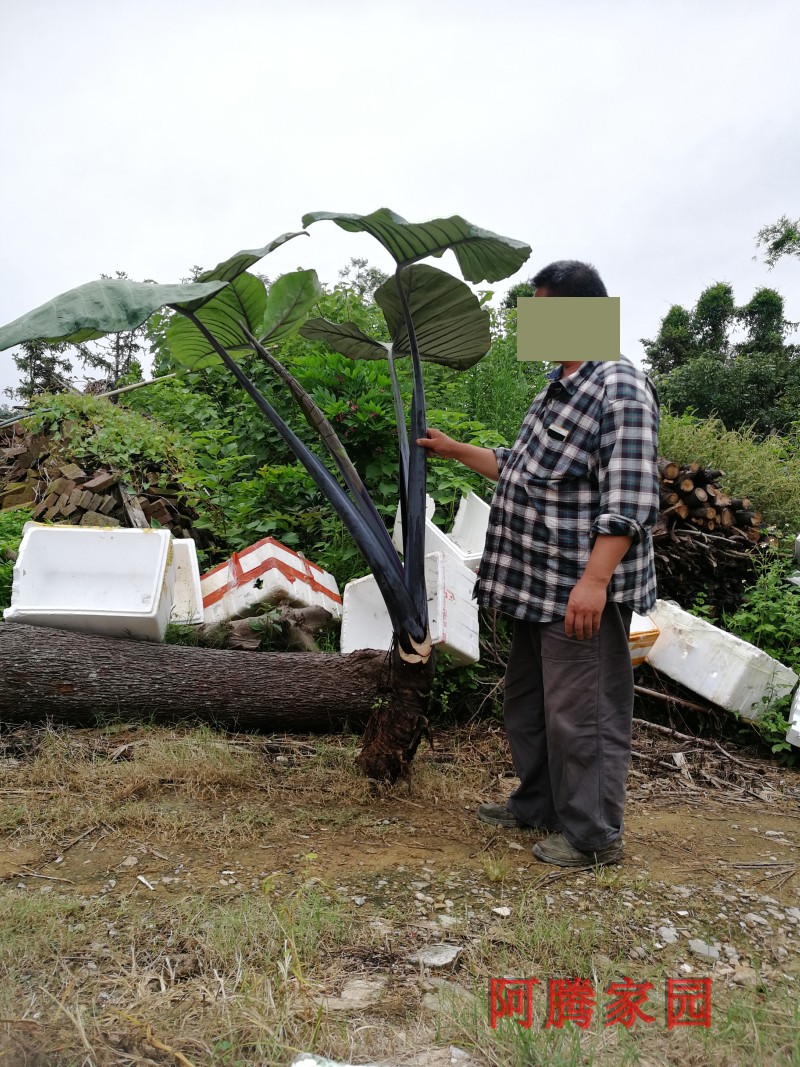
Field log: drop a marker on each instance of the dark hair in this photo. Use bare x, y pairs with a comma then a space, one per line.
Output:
570, 277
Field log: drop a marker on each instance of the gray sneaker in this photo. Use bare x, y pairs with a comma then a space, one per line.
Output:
499, 815
557, 850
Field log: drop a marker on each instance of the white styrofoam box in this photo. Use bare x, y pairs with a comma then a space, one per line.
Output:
642, 636
430, 527
472, 531
101, 580
265, 573
470, 526
793, 733
452, 613
187, 598
716, 665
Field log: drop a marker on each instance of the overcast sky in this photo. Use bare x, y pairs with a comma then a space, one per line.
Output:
653, 139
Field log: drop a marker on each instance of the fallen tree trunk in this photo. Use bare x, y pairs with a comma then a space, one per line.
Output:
76, 678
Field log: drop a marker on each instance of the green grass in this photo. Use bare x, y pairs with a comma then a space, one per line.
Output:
767, 471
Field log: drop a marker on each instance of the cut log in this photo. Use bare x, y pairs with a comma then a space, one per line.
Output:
725, 517
668, 470
75, 678
680, 511
695, 496
708, 475
748, 518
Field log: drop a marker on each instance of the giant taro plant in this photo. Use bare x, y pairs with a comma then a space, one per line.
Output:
430, 315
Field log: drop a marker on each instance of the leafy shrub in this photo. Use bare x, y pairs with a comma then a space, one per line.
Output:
770, 614
11, 523
97, 431
769, 618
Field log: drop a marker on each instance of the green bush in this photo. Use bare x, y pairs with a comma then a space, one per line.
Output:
11, 523
769, 618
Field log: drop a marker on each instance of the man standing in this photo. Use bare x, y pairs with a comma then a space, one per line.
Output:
569, 557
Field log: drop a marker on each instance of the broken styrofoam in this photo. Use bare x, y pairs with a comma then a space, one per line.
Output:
266, 573
641, 638
793, 733
309, 1059
716, 665
469, 528
187, 598
464, 542
452, 613
101, 580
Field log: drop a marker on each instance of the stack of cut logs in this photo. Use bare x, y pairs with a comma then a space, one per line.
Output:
705, 541
36, 473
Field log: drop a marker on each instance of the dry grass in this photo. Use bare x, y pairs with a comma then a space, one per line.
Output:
198, 896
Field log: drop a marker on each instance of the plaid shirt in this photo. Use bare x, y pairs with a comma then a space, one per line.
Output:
584, 464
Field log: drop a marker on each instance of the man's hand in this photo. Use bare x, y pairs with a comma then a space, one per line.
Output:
439, 444
585, 608
482, 460
588, 597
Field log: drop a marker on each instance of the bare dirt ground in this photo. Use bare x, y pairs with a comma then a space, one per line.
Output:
194, 897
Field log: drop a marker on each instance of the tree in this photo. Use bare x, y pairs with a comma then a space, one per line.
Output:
526, 288
429, 315
782, 238
117, 355
699, 366
675, 344
363, 279
44, 368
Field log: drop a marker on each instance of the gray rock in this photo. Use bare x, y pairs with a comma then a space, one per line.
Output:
668, 934
700, 948
436, 955
445, 995
357, 993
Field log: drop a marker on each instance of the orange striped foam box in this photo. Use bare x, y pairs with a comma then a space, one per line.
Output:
266, 573
643, 635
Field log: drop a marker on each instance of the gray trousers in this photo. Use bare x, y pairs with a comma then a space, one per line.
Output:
567, 707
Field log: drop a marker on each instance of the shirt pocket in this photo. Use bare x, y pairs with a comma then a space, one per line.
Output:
559, 455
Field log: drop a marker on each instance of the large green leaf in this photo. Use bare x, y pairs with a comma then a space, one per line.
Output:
289, 299
242, 300
100, 307
238, 263
344, 337
451, 326
481, 254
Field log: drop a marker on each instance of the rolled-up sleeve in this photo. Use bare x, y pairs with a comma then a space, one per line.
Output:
627, 471
501, 454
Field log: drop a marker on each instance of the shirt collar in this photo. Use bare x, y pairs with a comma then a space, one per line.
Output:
572, 381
